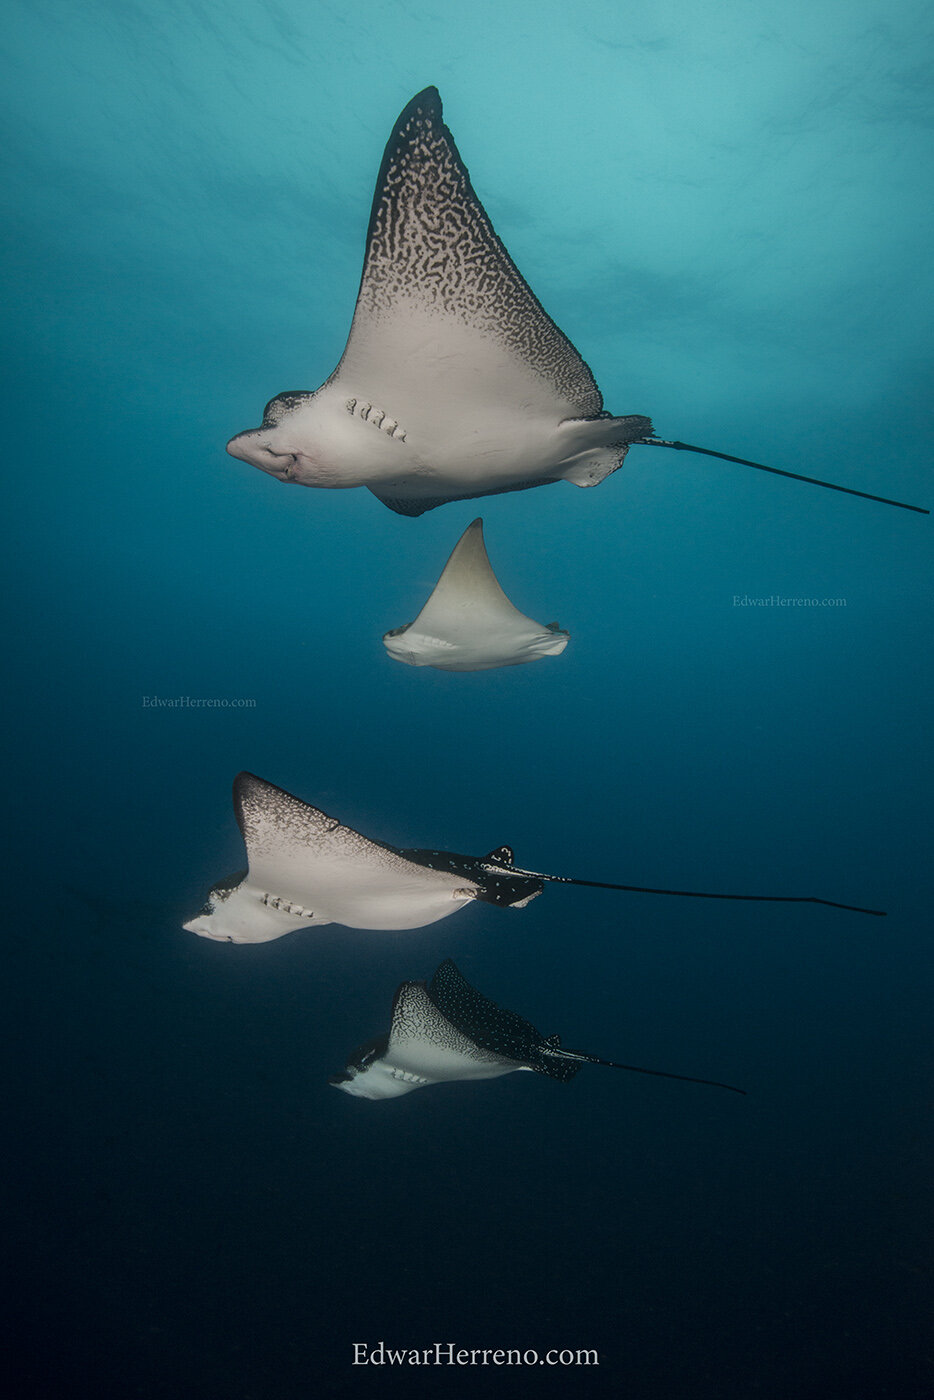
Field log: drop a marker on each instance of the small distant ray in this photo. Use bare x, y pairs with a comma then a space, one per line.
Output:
445, 1031
468, 623
455, 382
306, 868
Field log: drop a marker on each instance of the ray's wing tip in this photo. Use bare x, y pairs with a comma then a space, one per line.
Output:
428, 102
474, 530
245, 781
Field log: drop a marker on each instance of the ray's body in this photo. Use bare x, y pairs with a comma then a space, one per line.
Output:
455, 382
468, 623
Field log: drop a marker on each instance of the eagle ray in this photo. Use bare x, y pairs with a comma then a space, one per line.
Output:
455, 382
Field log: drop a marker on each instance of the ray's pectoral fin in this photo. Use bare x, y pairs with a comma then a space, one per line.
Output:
412, 506
418, 505
596, 447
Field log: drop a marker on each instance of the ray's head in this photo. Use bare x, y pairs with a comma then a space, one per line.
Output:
232, 914
290, 444
550, 641
369, 1075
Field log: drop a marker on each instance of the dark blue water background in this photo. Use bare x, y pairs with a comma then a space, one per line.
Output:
724, 207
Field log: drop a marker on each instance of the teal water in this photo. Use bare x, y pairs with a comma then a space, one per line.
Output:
726, 209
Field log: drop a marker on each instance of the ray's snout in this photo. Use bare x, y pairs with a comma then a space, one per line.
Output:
249, 447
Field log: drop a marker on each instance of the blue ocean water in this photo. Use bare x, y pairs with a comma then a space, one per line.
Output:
726, 209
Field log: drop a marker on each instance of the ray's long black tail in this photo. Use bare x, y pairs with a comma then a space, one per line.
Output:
776, 471
498, 869
638, 1069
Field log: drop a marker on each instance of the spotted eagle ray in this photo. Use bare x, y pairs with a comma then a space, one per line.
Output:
306, 868
455, 382
468, 623
445, 1030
